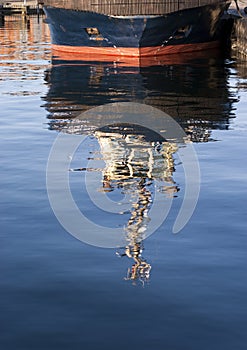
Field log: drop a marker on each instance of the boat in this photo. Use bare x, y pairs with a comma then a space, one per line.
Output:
134, 28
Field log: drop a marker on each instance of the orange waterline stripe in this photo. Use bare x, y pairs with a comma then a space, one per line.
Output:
134, 52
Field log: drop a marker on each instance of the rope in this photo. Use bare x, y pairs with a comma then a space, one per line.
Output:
238, 9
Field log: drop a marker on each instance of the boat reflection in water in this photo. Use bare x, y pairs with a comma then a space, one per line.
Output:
193, 89
136, 159
137, 162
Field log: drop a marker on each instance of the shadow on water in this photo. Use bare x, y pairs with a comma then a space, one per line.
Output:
195, 92
192, 90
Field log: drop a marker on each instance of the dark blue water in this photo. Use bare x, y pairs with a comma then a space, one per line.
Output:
58, 292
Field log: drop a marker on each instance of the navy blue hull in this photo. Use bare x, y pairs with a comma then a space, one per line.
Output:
86, 29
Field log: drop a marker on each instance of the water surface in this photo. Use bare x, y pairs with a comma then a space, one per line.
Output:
58, 292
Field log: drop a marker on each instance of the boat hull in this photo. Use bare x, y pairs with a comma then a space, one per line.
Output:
187, 30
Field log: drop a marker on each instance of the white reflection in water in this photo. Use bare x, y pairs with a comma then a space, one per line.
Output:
133, 165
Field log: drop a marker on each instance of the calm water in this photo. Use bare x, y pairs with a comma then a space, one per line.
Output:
183, 291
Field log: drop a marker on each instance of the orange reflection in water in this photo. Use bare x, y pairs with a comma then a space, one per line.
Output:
24, 39
24, 52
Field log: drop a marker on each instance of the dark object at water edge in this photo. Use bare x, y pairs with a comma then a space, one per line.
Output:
152, 28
